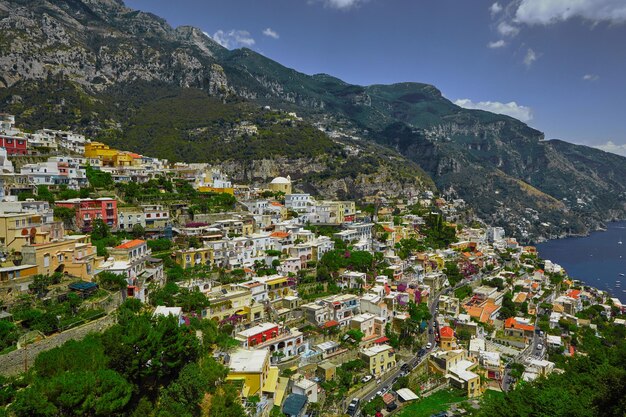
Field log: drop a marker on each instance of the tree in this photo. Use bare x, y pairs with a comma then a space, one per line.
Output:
356, 334
39, 286
160, 245
224, 403
43, 193
99, 179
100, 230
192, 301
112, 282
8, 334
453, 273
138, 231
183, 396
372, 407
66, 214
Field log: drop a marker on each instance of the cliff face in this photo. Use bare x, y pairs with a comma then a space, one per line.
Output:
98, 66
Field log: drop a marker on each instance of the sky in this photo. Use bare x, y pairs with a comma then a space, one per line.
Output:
558, 65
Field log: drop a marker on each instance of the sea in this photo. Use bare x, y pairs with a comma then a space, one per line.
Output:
597, 259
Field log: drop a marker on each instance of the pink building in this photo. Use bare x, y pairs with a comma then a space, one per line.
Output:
88, 210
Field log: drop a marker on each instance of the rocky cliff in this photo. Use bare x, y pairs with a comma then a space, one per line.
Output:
99, 66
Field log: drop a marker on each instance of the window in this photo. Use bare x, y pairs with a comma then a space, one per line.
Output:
46, 260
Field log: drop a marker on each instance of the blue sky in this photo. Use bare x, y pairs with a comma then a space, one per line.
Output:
558, 65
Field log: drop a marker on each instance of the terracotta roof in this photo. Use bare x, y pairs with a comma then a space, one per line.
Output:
512, 323
573, 293
280, 235
521, 297
276, 203
381, 340
446, 331
131, 244
331, 323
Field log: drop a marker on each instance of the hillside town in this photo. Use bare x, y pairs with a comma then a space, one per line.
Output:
315, 307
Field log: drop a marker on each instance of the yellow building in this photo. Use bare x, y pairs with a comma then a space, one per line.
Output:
457, 368
226, 302
380, 359
102, 152
281, 185
12, 272
207, 189
73, 256
123, 159
191, 257
17, 230
252, 368
447, 338
15, 279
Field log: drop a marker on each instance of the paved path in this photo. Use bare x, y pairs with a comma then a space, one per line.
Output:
14, 362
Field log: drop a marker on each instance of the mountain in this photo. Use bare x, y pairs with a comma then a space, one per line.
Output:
130, 79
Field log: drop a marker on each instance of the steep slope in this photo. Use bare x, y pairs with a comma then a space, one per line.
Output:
115, 68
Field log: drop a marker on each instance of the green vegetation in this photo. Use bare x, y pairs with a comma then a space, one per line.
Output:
99, 179
140, 365
438, 234
463, 292
437, 402
372, 407
592, 385
453, 273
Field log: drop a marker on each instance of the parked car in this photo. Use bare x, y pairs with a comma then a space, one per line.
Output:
392, 406
429, 345
367, 378
353, 407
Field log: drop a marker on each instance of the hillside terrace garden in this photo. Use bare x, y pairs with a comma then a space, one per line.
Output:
142, 366
53, 306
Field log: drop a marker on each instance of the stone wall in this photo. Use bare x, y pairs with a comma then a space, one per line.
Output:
19, 360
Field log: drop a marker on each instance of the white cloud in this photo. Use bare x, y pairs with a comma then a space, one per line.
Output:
531, 56
523, 113
591, 77
552, 11
506, 29
495, 8
496, 44
271, 33
613, 148
342, 4
233, 38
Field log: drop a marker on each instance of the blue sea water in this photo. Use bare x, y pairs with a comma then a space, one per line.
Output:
597, 259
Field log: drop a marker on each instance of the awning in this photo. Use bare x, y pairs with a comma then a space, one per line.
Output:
270, 382
381, 340
406, 394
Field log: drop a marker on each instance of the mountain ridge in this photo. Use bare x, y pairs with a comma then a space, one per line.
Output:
482, 157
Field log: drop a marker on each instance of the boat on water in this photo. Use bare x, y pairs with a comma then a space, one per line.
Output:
621, 275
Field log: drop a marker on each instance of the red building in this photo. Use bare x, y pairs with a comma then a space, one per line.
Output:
257, 335
88, 210
14, 145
